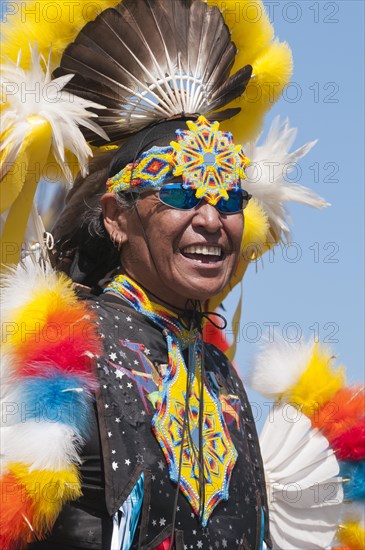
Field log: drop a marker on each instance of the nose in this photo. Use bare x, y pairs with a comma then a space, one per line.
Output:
207, 217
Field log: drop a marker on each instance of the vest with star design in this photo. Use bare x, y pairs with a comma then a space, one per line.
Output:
124, 447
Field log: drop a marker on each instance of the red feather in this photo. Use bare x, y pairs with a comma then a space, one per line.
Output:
68, 340
351, 444
15, 507
341, 413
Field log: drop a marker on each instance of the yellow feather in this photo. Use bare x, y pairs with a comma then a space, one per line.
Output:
352, 535
250, 27
272, 71
49, 490
255, 234
51, 24
318, 383
32, 316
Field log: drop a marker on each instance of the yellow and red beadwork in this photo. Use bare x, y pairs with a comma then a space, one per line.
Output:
206, 158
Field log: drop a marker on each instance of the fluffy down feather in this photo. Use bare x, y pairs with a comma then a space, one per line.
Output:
278, 366
317, 384
63, 111
354, 473
21, 443
267, 176
342, 412
59, 487
351, 444
16, 516
352, 535
272, 71
55, 25
55, 398
24, 286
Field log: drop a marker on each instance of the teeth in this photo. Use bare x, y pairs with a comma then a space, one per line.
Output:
204, 250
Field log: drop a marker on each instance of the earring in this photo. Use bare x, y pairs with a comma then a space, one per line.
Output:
115, 241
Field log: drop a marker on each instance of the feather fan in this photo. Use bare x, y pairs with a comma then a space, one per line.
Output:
305, 495
147, 62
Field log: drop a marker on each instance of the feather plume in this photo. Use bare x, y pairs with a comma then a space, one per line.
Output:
64, 112
21, 443
271, 71
55, 24
352, 535
55, 398
317, 384
278, 366
342, 412
267, 172
16, 516
351, 444
354, 473
59, 487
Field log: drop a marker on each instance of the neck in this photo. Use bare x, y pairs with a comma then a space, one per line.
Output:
190, 304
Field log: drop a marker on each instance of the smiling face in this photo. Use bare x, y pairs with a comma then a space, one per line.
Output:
177, 255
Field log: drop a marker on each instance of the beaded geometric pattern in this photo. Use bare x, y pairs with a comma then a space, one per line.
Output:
153, 168
206, 158
219, 452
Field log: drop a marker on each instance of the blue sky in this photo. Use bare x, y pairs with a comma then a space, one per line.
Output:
322, 292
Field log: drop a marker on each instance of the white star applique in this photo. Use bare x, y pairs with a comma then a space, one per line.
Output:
117, 420
115, 466
162, 522
127, 462
110, 434
129, 319
119, 374
161, 466
199, 544
129, 384
147, 351
113, 451
113, 356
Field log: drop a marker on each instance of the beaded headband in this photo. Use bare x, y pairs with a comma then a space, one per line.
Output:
206, 158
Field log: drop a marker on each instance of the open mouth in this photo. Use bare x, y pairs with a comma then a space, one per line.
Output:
203, 253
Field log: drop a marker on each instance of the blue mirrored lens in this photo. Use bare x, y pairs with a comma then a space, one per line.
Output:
233, 204
176, 197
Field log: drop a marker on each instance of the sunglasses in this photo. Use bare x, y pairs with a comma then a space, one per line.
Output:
175, 196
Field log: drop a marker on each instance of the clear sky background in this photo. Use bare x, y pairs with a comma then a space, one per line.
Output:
322, 292
324, 288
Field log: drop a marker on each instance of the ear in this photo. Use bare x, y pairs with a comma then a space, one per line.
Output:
115, 219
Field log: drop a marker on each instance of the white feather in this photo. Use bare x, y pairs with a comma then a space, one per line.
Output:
19, 286
41, 445
266, 180
65, 113
278, 365
305, 496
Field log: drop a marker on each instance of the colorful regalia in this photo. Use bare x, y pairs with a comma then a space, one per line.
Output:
115, 409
